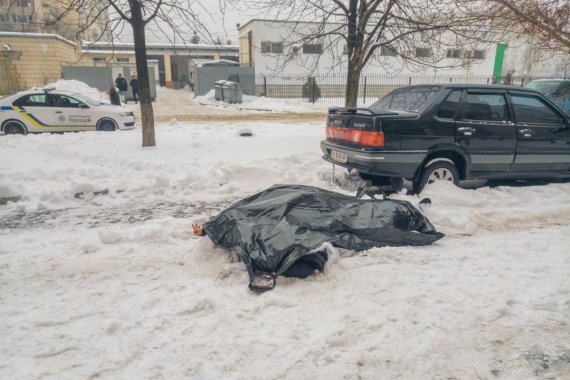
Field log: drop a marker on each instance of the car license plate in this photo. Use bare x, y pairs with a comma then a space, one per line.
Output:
338, 156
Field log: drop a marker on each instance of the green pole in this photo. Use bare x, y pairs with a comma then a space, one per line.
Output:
499, 57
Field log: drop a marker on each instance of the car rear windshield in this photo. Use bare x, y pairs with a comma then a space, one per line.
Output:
412, 99
544, 86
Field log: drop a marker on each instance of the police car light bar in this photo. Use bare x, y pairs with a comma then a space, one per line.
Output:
48, 89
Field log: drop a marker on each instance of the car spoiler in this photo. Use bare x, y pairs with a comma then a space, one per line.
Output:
359, 111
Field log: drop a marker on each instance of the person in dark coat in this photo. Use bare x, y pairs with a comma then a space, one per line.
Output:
135, 87
114, 95
122, 86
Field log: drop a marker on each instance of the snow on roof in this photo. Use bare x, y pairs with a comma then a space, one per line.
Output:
219, 62
36, 35
90, 45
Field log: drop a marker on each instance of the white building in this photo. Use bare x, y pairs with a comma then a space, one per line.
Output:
274, 49
526, 58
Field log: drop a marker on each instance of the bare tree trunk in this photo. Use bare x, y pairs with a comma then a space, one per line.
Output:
352, 82
354, 47
147, 113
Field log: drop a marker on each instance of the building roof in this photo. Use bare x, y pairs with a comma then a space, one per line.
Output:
36, 35
118, 46
219, 62
277, 21
475, 86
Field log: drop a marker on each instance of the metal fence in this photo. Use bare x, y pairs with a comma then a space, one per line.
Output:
331, 90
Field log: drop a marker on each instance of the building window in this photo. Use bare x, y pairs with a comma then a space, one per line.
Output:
423, 52
455, 53
272, 47
201, 57
98, 59
388, 51
24, 19
23, 3
478, 54
122, 60
18, 19
3, 18
312, 48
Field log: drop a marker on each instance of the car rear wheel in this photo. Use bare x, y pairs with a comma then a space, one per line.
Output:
15, 128
107, 125
443, 170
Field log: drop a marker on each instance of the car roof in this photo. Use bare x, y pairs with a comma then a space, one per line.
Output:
474, 86
551, 80
45, 90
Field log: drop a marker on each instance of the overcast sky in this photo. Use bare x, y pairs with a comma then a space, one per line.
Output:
219, 24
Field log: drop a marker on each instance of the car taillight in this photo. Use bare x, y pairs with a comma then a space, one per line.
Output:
375, 139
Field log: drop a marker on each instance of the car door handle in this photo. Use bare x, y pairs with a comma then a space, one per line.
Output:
58, 112
467, 131
526, 132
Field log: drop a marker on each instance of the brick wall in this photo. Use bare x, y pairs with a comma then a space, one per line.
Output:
32, 61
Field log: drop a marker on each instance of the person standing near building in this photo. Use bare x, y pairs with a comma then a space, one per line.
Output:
114, 95
122, 86
135, 87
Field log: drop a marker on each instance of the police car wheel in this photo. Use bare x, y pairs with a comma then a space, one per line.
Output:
14, 128
107, 125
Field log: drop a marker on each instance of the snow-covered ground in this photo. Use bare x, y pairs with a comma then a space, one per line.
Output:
265, 104
101, 277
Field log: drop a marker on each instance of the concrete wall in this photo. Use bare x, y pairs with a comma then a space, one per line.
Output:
102, 77
205, 77
98, 77
529, 60
166, 56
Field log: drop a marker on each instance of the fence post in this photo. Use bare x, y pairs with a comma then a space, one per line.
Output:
264, 86
364, 101
313, 92
409, 81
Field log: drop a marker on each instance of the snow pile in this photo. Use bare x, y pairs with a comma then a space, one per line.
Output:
102, 277
263, 104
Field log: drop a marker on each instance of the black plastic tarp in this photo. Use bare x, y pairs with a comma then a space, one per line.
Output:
274, 228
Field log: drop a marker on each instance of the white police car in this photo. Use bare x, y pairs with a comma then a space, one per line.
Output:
50, 110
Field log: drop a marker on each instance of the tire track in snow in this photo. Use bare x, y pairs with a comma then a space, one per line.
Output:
96, 216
